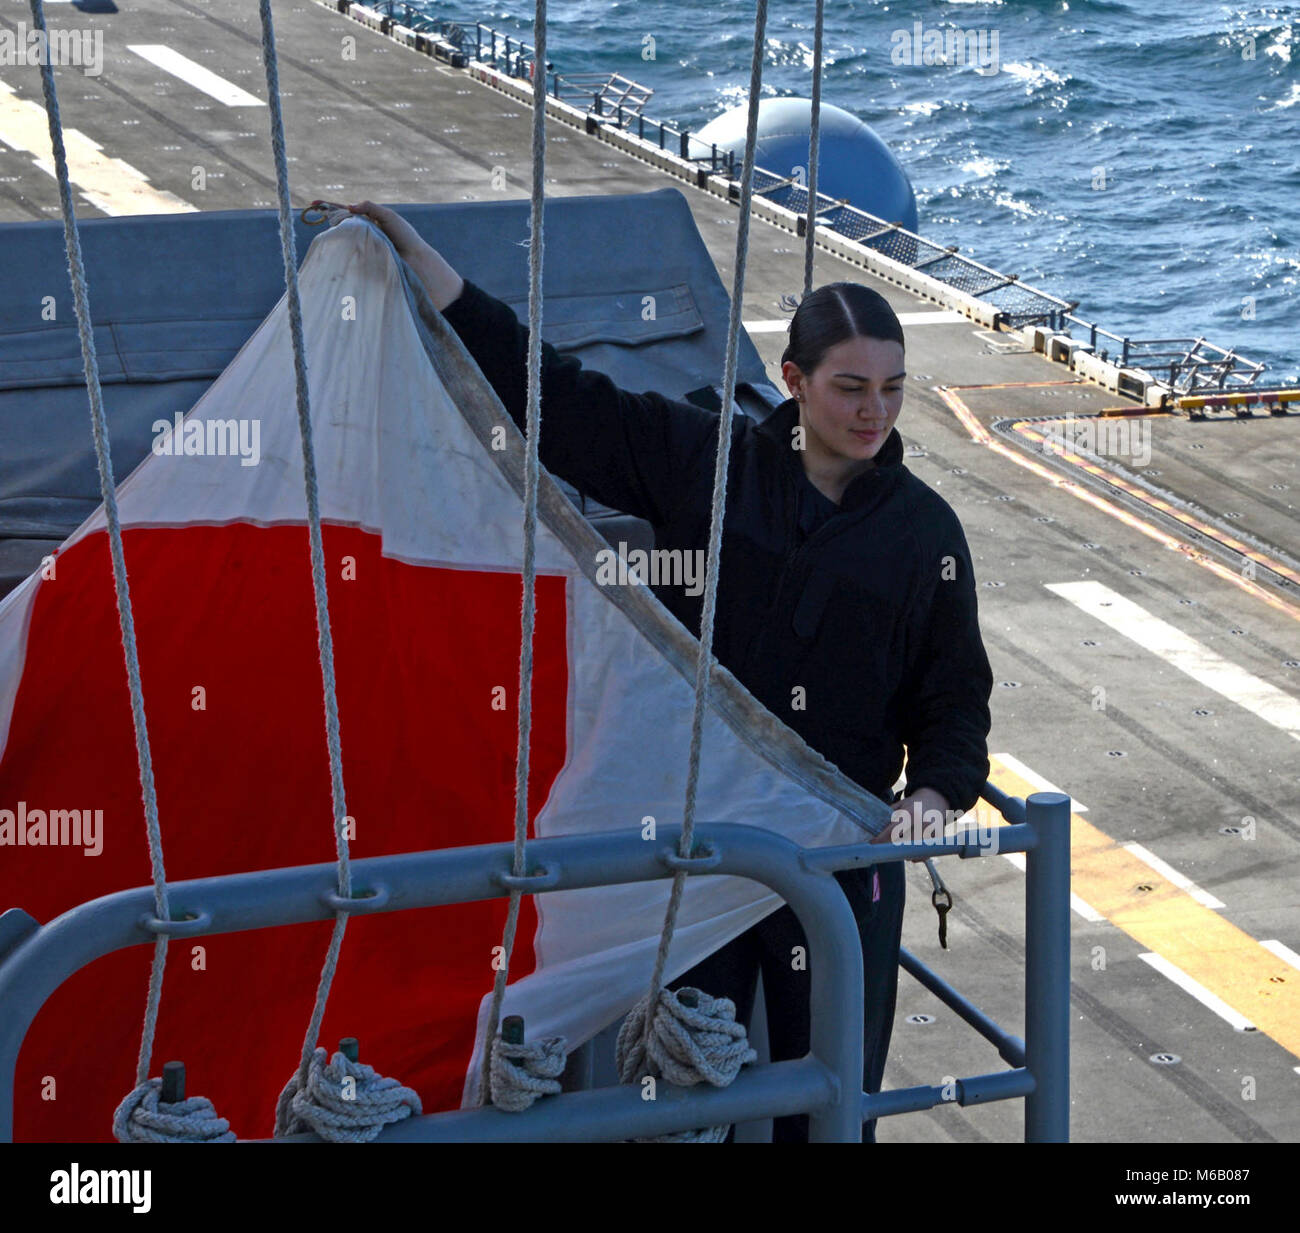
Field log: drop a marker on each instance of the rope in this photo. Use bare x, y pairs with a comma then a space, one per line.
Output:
144, 1117
814, 152
536, 1082
325, 641
704, 659
690, 1038
521, 1073
660, 1014
342, 1101
139, 1099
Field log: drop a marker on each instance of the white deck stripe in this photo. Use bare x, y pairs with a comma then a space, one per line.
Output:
1270, 703
1087, 911
942, 316
1203, 897
109, 184
195, 75
1034, 778
1197, 990
1285, 953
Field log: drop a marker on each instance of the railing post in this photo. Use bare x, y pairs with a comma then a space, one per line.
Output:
1047, 968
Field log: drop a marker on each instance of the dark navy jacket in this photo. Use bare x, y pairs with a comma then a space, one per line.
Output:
862, 635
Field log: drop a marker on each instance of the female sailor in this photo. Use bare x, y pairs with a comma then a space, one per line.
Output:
846, 596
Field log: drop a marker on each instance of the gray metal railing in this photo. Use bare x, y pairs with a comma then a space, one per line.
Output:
826, 1084
1185, 366
1019, 303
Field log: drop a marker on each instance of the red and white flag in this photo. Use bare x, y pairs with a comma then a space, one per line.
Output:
423, 544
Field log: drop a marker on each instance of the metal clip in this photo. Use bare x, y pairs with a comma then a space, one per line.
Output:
942, 900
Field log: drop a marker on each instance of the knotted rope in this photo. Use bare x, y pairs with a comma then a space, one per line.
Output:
528, 1075
121, 584
689, 1038
707, 1020
521, 1073
692, 1038
342, 1100
144, 1117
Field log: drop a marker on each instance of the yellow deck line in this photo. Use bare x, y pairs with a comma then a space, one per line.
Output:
1167, 920
982, 436
109, 184
1030, 431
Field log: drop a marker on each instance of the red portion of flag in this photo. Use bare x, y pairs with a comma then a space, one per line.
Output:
228, 649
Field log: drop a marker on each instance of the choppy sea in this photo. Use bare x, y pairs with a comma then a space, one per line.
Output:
1190, 108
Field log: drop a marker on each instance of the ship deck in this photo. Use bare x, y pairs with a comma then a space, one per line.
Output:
1157, 683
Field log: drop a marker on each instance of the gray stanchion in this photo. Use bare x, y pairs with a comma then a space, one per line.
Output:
1047, 969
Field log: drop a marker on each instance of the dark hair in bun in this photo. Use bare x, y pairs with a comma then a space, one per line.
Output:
836, 312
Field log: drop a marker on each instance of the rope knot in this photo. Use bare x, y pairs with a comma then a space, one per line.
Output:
342, 1101
144, 1117
690, 1038
521, 1073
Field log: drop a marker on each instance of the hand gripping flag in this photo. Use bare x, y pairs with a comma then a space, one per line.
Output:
423, 542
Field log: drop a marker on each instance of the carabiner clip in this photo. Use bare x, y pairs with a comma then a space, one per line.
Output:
942, 900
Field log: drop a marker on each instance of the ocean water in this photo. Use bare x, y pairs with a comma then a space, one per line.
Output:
1139, 156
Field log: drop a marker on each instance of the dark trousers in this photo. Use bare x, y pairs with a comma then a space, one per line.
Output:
770, 947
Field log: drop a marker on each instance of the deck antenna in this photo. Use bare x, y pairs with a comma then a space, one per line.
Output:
138, 1117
